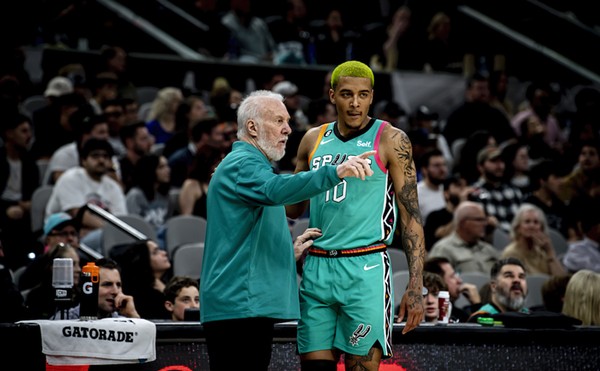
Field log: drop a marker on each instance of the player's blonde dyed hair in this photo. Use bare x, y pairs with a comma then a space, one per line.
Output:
351, 69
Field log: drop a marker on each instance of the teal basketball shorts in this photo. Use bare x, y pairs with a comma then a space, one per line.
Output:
346, 301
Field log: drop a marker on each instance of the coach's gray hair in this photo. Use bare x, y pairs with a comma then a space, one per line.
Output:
251, 109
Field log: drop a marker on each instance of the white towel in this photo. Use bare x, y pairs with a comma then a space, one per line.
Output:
99, 342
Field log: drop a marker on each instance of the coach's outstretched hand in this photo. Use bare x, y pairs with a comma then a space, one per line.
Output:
356, 166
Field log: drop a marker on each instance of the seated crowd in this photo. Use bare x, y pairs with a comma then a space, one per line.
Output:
462, 218
489, 205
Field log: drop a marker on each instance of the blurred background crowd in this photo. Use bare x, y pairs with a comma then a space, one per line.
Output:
130, 105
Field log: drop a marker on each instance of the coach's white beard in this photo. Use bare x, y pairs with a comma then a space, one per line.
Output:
272, 152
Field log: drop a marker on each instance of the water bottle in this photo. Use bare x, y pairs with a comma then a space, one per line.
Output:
62, 282
90, 278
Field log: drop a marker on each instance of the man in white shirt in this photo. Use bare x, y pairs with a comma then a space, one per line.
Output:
89, 183
585, 253
67, 156
430, 189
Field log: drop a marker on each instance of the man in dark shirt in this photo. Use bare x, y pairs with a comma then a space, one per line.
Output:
476, 113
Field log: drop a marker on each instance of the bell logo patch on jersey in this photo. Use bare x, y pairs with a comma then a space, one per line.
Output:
360, 332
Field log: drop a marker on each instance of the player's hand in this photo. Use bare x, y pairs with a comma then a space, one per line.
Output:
356, 166
305, 240
412, 303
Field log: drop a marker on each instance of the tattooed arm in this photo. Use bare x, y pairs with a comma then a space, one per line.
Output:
397, 154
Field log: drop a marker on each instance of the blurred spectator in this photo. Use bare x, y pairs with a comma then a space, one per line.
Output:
531, 242
426, 121
440, 223
230, 134
161, 119
456, 287
112, 302
138, 143
476, 113
77, 74
515, 155
212, 40
294, 102
192, 198
465, 247
545, 179
86, 126
208, 132
582, 297
499, 198
13, 65
13, 305
251, 41
291, 34
585, 254
114, 112
399, 44
320, 111
89, 183
585, 122
421, 144
57, 87
19, 177
225, 99
499, 92
326, 85
51, 125
145, 269
113, 59
390, 111
584, 180
332, 41
10, 93
553, 292
541, 100
298, 122
40, 299
181, 293
430, 189
509, 289
149, 196
104, 87
434, 284
60, 228
465, 161
532, 133
190, 112
441, 54
132, 109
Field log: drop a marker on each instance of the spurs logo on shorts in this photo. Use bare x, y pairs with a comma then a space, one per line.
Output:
360, 332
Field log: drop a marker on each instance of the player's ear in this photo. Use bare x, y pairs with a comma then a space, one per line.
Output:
332, 96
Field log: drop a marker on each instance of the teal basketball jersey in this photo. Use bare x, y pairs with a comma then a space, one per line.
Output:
354, 213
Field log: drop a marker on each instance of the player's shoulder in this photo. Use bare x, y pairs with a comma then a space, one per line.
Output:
392, 134
313, 133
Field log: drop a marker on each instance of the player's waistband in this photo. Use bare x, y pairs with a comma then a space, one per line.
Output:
316, 251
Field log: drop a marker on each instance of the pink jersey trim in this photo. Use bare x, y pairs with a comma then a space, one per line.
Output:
376, 147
